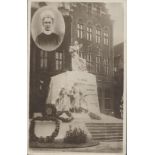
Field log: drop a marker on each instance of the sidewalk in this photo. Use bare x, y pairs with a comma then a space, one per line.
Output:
103, 147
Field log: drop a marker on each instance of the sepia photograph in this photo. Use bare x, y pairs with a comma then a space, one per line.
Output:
77, 77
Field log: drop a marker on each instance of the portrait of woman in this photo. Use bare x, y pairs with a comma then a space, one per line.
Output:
47, 38
48, 28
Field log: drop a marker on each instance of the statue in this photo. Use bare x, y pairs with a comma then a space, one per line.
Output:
63, 102
78, 63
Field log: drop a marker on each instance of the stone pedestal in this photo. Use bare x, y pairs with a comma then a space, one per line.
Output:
85, 83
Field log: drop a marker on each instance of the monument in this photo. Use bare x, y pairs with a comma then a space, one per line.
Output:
72, 99
72, 102
74, 90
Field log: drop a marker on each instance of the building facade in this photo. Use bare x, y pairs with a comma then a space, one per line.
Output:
90, 25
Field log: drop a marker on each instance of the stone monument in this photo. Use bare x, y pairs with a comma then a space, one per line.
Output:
74, 95
76, 89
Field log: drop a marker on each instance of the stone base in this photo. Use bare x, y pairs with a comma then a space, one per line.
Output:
85, 83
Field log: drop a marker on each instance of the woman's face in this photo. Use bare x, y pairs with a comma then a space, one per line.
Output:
47, 24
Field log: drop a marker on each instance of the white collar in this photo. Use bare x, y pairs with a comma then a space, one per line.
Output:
47, 32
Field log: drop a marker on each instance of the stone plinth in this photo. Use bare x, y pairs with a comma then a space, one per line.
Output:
85, 83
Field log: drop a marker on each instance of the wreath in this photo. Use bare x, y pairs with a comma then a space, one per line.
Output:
66, 119
69, 119
51, 111
50, 114
47, 139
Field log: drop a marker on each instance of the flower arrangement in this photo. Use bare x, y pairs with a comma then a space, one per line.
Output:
75, 136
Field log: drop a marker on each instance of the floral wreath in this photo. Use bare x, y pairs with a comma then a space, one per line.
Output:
50, 114
52, 111
46, 139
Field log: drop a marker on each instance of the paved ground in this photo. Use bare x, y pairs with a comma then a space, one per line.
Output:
106, 147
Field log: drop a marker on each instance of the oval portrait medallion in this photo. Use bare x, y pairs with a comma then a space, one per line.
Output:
48, 28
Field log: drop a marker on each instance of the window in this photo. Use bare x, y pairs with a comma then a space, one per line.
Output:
89, 9
58, 58
107, 97
98, 64
106, 66
43, 60
106, 38
89, 62
89, 33
98, 10
98, 35
80, 31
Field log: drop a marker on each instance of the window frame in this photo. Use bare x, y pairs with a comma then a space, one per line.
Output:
43, 60
89, 33
89, 62
106, 36
98, 35
98, 10
89, 9
80, 30
98, 64
58, 61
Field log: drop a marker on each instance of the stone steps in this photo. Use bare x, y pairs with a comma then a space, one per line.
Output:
110, 132
105, 127
107, 134
104, 124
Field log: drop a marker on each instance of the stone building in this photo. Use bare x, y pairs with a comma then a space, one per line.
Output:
90, 25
